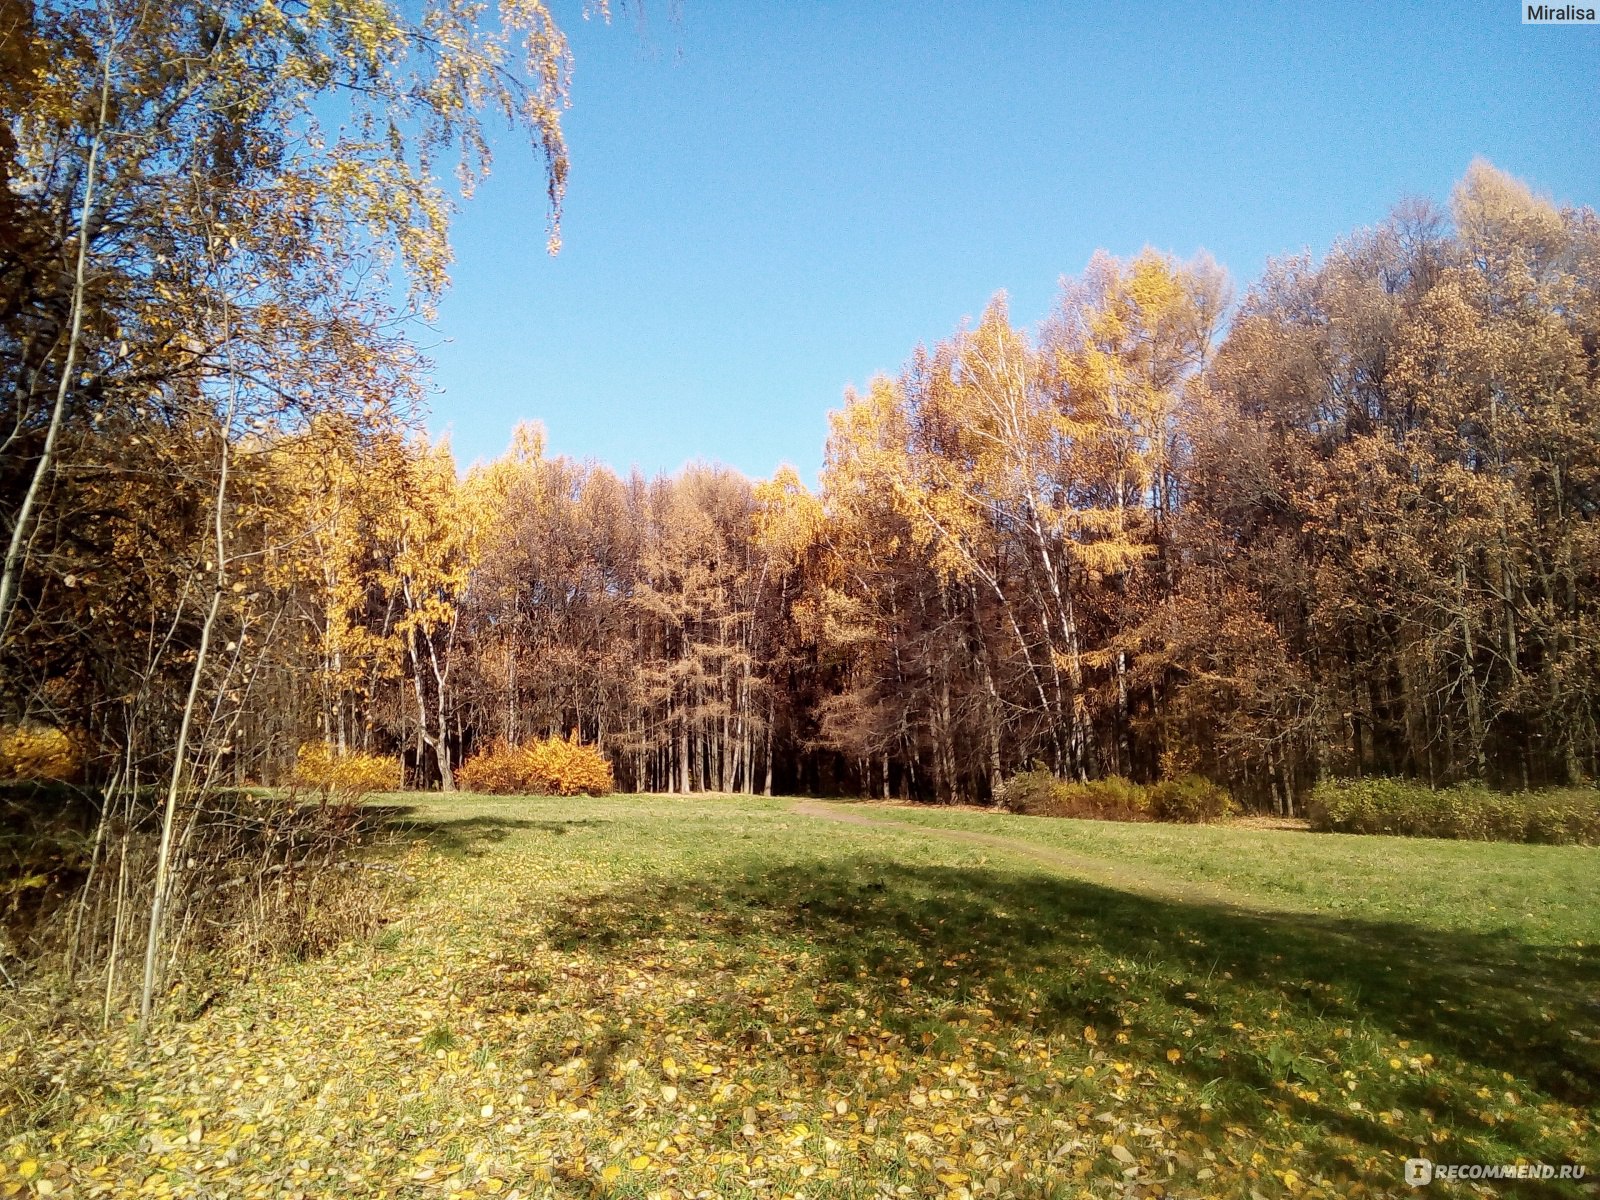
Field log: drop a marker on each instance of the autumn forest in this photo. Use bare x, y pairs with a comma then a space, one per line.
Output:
1153, 756
1342, 523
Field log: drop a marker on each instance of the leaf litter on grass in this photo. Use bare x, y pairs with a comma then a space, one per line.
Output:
651, 1008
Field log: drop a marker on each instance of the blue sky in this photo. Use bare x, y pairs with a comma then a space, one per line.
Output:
770, 201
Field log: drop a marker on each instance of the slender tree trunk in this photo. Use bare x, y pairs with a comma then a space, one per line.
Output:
425, 736
119, 922
163, 882
1469, 675
766, 789
683, 753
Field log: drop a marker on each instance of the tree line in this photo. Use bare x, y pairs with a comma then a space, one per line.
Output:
1350, 532
1344, 526
1353, 534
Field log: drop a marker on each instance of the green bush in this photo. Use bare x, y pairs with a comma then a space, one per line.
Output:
1470, 811
1190, 800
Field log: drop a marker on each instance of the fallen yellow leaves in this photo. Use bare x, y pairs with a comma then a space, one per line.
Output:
532, 1036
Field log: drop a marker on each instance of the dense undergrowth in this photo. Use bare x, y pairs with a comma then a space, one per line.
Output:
1401, 807
1188, 799
263, 878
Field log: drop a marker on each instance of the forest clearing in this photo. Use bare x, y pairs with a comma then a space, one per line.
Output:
725, 996
1017, 615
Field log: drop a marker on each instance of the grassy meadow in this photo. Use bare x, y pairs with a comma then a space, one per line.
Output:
740, 997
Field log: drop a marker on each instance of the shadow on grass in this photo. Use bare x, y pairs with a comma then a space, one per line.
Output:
464, 836
1042, 953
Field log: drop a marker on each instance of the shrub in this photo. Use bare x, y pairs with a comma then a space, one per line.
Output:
551, 767
1471, 811
38, 753
1110, 799
1028, 792
569, 768
1190, 799
499, 769
1038, 793
343, 779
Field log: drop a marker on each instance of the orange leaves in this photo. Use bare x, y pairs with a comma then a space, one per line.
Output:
788, 517
1030, 476
551, 767
344, 778
440, 540
37, 752
330, 514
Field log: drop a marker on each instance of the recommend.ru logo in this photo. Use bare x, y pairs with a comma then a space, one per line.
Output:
1421, 1171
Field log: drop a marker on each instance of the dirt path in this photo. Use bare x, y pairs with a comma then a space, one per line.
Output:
1082, 866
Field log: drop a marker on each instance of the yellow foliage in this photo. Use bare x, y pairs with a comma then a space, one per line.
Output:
788, 517
38, 752
551, 767
343, 778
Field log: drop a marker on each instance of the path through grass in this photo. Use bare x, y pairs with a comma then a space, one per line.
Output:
718, 997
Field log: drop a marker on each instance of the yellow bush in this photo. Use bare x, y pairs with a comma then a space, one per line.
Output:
38, 752
498, 769
343, 778
552, 767
571, 768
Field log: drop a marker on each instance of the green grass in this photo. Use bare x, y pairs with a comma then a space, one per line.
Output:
637, 997
1545, 895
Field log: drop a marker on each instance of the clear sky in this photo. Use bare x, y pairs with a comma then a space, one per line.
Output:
772, 200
